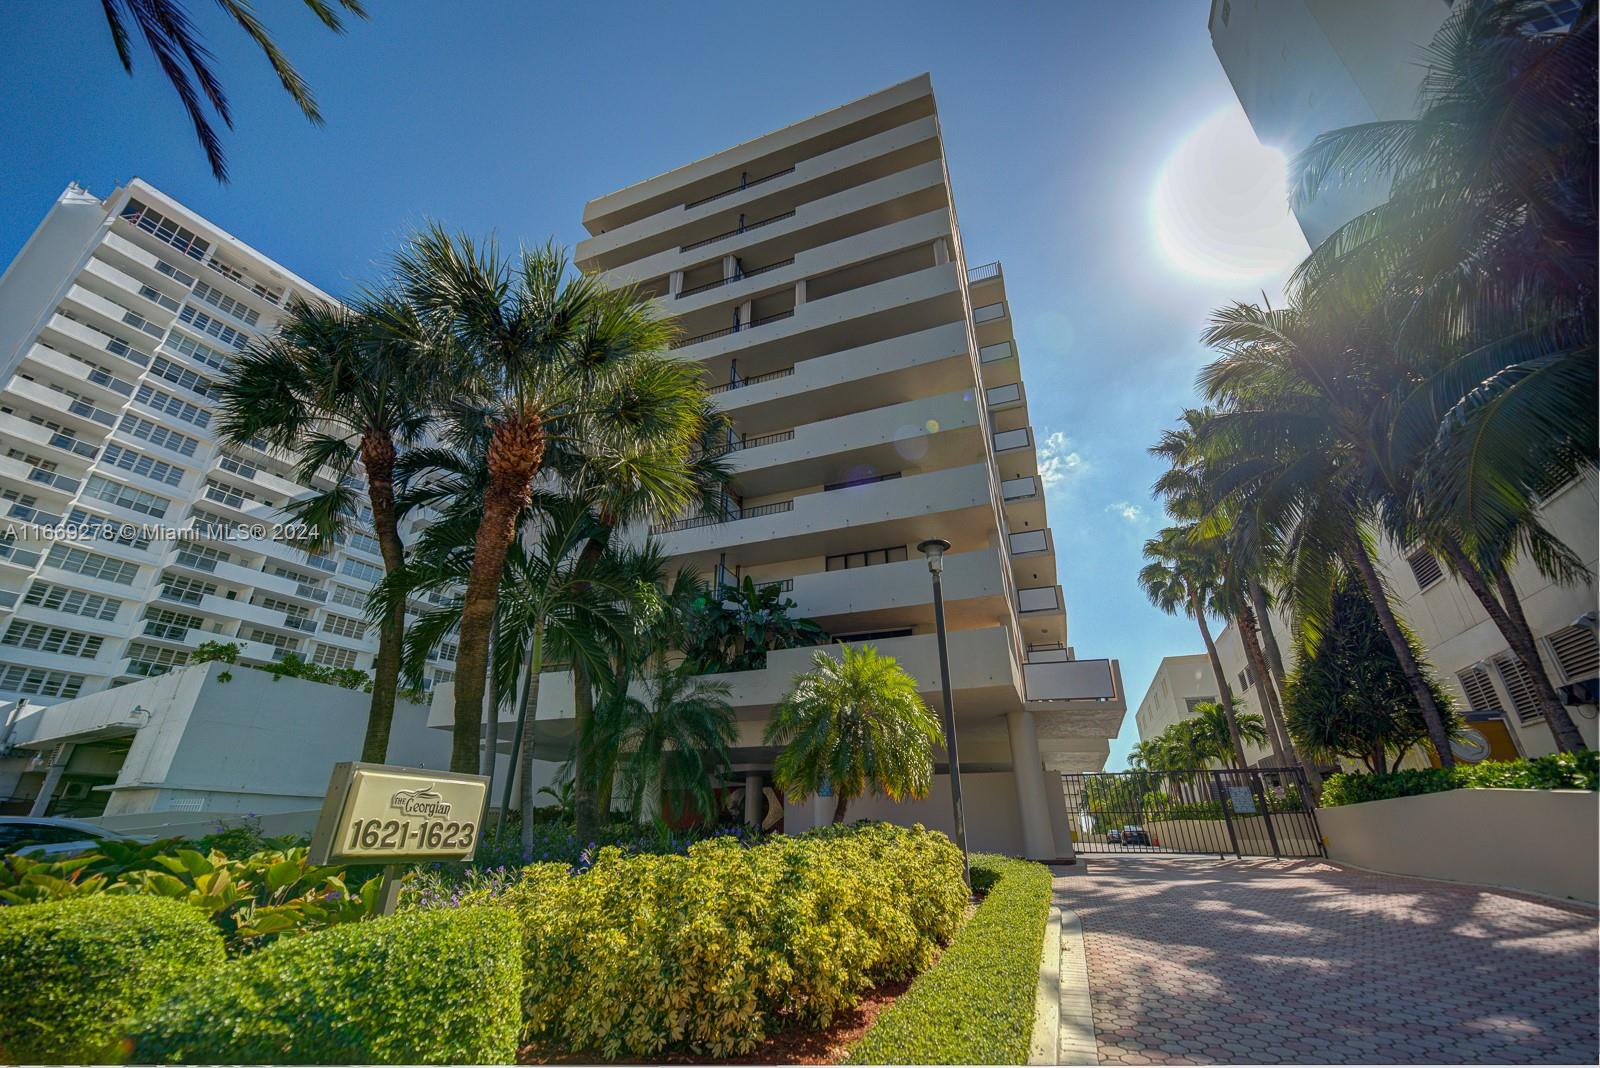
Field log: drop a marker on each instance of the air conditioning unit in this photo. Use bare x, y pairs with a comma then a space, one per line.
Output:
74, 791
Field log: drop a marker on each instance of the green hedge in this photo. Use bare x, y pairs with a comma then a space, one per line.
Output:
1559, 771
975, 1006
707, 952
74, 973
418, 987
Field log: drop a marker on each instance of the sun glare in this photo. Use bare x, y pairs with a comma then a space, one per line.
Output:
1219, 207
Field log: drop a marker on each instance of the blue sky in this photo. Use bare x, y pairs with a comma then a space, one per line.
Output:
1058, 119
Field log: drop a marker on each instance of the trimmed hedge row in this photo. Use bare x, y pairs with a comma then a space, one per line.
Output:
1558, 771
710, 951
416, 988
976, 1005
77, 973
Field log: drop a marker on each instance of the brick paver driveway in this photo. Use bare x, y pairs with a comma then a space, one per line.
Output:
1193, 960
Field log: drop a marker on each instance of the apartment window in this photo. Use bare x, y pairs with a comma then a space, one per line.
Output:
364, 543
447, 651
202, 557
188, 346
159, 436
1424, 568
153, 222
1247, 678
1479, 690
165, 623
232, 273
358, 569
345, 628
229, 305
155, 296
182, 376
73, 602
118, 347
104, 529
196, 319
173, 273
331, 656
91, 565
150, 660
288, 608
40, 682
344, 595
1519, 686
135, 500
861, 481
281, 646
1576, 652
178, 409
185, 590
42, 638
1189, 703
229, 462
891, 555
140, 464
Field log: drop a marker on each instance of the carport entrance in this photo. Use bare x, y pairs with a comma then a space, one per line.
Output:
1258, 812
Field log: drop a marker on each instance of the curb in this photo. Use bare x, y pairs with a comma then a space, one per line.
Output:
1075, 1012
1047, 1001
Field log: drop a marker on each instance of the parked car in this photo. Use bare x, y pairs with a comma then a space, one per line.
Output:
1134, 836
1114, 836
51, 836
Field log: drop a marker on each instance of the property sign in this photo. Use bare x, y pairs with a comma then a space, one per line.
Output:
380, 813
1242, 800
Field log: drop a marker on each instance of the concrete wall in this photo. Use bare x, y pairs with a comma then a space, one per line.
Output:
1541, 841
994, 824
1177, 679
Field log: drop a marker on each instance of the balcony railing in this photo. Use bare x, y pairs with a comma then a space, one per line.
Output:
725, 331
300, 623
740, 383
89, 411
983, 273
764, 439
694, 522
1005, 440
73, 445
746, 228
9, 553
739, 277
741, 187
1019, 489
1000, 350
53, 480
989, 312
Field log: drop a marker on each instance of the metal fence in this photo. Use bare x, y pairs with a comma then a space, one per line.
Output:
1261, 812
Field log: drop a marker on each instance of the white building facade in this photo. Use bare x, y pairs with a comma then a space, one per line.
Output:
116, 318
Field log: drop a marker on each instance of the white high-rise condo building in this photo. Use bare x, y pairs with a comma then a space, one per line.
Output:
818, 277
115, 320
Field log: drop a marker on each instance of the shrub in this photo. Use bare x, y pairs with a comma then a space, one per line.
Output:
1558, 771
710, 950
975, 1006
77, 972
419, 987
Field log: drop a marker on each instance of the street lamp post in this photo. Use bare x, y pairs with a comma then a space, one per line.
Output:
934, 549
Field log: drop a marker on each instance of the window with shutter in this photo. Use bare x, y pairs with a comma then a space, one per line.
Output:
1424, 568
1479, 688
1519, 687
1576, 652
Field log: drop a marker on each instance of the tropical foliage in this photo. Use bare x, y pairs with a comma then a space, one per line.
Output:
1200, 741
851, 725
1557, 771
735, 627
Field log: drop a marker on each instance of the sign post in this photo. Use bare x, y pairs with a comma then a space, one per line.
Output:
381, 813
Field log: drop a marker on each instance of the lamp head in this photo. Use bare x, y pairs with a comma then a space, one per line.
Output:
934, 549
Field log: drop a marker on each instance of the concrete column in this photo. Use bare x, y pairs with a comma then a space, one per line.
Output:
52, 779
1038, 839
752, 799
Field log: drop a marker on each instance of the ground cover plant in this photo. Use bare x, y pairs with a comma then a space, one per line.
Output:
976, 1005
1557, 771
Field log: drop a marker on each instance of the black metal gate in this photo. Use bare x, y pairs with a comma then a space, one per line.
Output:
1259, 812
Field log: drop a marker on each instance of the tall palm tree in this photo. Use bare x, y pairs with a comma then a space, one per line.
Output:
1180, 578
176, 44
1213, 731
331, 386
546, 358
674, 742
852, 724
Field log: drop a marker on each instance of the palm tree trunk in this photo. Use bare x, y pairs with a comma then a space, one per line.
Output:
524, 759
1224, 691
584, 779
491, 721
515, 452
1513, 626
1438, 734
378, 456
1269, 696
838, 808
1269, 637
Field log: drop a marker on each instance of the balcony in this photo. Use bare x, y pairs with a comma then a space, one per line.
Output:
739, 276
683, 343
986, 272
900, 594
1000, 398
69, 334
1039, 599
1073, 681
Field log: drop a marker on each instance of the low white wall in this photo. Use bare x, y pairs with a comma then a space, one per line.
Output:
1542, 841
990, 800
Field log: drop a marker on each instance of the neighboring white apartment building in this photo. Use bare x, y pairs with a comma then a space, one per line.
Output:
116, 318
1180, 683
875, 388
1300, 67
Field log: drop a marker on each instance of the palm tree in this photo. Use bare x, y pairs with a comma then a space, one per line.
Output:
541, 359
176, 44
331, 386
1180, 578
674, 742
1214, 730
853, 724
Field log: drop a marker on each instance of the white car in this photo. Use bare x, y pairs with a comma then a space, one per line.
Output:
50, 836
